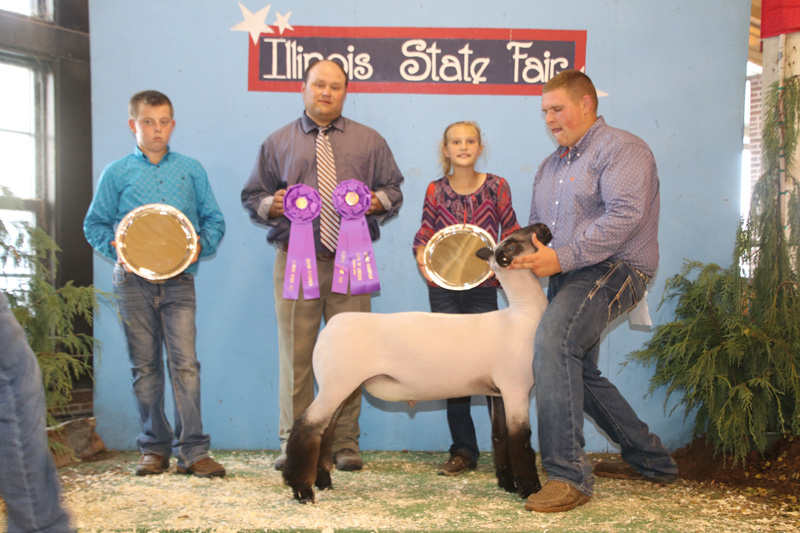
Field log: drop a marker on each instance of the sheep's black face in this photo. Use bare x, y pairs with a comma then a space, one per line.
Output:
517, 244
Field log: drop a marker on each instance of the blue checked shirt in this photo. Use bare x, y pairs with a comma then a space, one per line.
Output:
601, 201
134, 181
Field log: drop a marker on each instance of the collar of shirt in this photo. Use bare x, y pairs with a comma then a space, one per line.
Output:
141, 155
571, 154
309, 126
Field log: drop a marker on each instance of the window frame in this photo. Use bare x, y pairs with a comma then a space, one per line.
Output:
42, 133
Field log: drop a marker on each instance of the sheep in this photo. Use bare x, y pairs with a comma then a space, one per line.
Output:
414, 351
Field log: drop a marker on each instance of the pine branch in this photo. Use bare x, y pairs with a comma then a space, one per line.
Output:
733, 351
48, 315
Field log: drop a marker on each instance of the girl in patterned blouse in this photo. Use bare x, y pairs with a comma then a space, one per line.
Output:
463, 195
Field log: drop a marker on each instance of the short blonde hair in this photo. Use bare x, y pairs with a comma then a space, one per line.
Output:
576, 83
444, 161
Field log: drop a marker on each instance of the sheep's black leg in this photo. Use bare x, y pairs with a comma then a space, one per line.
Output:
302, 457
325, 464
523, 460
502, 459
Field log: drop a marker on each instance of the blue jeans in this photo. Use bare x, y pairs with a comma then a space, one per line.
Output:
569, 384
475, 300
158, 316
28, 480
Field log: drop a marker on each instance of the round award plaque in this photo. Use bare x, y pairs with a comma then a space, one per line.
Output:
450, 258
156, 241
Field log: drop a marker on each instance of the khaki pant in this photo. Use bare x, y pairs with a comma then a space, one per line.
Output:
298, 324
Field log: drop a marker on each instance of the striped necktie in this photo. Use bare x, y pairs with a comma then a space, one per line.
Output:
326, 183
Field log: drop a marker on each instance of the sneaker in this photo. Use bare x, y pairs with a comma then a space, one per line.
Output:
556, 497
457, 464
348, 460
206, 467
151, 464
279, 462
622, 470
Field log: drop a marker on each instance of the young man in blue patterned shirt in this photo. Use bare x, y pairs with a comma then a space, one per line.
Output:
160, 314
599, 194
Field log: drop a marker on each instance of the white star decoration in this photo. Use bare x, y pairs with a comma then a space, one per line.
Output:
282, 22
254, 22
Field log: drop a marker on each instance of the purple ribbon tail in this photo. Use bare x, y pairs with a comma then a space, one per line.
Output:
355, 260
372, 283
301, 263
369, 282
341, 272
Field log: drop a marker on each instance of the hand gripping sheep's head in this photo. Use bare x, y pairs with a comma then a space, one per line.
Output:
517, 244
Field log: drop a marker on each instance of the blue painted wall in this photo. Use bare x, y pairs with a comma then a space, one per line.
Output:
674, 72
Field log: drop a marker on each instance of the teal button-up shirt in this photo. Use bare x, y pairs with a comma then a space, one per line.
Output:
134, 181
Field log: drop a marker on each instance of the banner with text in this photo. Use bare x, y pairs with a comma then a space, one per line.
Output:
419, 60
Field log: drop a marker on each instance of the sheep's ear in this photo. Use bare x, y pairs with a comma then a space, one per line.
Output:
484, 253
542, 233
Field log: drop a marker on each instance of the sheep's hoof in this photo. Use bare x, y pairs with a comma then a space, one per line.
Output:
323, 481
528, 487
304, 495
506, 481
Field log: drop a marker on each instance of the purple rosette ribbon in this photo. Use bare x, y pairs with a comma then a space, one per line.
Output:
301, 205
355, 260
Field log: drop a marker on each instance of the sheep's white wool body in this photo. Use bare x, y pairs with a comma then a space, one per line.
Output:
431, 356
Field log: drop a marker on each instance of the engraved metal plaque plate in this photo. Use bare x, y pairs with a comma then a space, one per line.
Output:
156, 241
450, 257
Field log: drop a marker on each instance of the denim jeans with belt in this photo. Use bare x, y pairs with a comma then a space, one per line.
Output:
28, 480
568, 382
459, 419
158, 316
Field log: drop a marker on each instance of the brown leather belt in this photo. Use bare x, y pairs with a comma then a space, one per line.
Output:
321, 256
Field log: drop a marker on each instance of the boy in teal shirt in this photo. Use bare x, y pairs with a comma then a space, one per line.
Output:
160, 314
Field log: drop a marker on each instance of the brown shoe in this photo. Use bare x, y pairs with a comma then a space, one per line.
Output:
622, 470
279, 461
207, 467
556, 497
348, 460
457, 464
151, 464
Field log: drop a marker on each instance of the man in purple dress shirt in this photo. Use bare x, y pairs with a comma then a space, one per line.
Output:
286, 158
599, 194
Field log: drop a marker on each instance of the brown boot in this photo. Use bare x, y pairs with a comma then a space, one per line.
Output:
457, 464
207, 467
348, 460
622, 470
556, 497
151, 464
